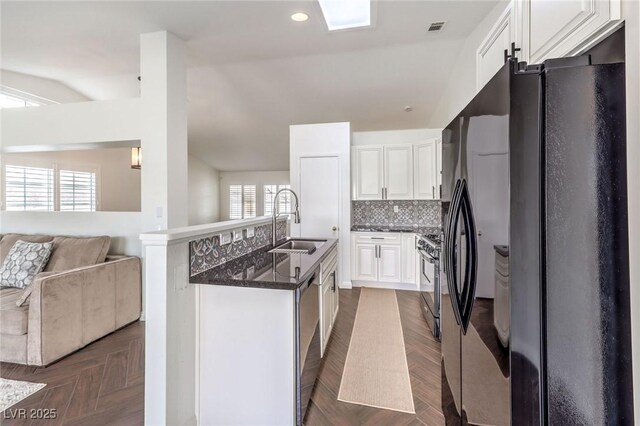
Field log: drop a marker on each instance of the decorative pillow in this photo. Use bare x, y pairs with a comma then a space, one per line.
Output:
24, 261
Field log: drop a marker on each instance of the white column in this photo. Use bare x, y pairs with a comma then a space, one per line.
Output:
170, 302
164, 134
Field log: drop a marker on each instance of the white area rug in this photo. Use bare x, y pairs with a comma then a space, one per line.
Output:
14, 391
376, 373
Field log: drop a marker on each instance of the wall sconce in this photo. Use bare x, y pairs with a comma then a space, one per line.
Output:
136, 158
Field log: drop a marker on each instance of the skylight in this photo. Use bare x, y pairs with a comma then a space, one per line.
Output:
8, 101
344, 14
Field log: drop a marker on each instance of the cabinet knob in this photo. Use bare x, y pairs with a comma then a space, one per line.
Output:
334, 228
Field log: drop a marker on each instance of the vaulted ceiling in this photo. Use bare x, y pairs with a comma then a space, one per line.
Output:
252, 71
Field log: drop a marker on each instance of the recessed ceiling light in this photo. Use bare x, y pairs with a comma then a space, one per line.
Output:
343, 14
299, 17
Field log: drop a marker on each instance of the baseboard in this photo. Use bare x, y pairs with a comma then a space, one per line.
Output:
346, 285
391, 286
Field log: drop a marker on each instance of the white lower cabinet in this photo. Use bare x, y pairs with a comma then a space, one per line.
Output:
329, 297
384, 258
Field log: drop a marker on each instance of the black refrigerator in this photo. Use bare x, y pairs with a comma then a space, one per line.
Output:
535, 309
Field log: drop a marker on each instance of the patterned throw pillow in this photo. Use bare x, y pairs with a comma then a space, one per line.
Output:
24, 261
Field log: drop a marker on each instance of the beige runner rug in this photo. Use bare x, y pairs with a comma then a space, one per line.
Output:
376, 371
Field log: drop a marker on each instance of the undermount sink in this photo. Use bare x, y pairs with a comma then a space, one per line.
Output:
298, 246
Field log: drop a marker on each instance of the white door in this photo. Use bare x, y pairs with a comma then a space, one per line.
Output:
490, 201
390, 264
366, 262
368, 172
490, 54
425, 171
319, 197
398, 172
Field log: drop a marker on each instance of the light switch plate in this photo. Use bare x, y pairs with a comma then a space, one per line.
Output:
395, 209
225, 238
251, 232
237, 235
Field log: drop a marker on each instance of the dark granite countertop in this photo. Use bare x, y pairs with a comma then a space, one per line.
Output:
399, 228
260, 269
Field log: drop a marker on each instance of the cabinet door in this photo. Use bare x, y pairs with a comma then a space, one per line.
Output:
390, 263
335, 298
326, 317
565, 28
490, 54
366, 262
425, 166
409, 259
439, 168
398, 172
368, 170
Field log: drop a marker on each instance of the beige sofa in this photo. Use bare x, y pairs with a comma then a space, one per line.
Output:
81, 296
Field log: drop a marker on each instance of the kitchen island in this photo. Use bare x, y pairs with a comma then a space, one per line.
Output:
261, 333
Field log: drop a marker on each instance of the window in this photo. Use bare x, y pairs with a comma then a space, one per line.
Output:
28, 188
77, 191
49, 189
284, 200
12, 98
242, 201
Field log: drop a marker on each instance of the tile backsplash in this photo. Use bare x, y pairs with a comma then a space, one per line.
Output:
207, 253
423, 213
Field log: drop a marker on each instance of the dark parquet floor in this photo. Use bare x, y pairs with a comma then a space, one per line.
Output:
423, 356
102, 384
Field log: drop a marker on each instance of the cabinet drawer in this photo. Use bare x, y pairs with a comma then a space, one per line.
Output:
378, 237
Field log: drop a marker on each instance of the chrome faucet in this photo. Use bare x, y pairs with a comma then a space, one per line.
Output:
276, 213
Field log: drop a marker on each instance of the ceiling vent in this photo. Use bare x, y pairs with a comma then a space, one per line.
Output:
436, 27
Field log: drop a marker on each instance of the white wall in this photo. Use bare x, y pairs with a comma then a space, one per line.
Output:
42, 87
461, 86
319, 139
118, 185
388, 137
122, 227
249, 178
204, 192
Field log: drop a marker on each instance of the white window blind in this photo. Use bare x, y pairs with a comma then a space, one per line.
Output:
8, 101
248, 201
28, 188
284, 200
77, 191
242, 201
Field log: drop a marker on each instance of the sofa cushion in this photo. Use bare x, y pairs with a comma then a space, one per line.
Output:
76, 252
8, 240
13, 319
24, 261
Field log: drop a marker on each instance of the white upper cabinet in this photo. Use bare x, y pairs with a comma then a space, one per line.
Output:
395, 172
439, 168
398, 172
368, 170
425, 177
554, 29
491, 53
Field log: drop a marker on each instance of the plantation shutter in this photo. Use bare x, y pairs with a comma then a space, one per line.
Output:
28, 188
